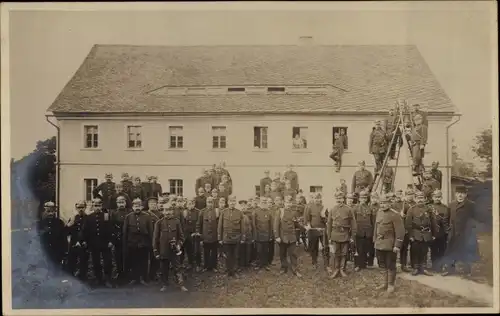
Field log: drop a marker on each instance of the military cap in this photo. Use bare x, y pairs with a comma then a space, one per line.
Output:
96, 201
374, 194
363, 194
242, 202
153, 177
437, 193
209, 198
266, 171
108, 175
419, 194
318, 195
350, 196
231, 198
362, 163
137, 178
162, 200
461, 189
125, 175
154, 198
80, 204
49, 204
137, 201
121, 197
417, 116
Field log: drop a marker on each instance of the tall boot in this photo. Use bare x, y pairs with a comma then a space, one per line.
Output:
336, 267
416, 269
327, 264
385, 281
343, 264
391, 280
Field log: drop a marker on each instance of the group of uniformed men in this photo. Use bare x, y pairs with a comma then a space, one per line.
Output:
155, 234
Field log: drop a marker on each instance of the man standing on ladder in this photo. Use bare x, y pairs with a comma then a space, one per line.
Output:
378, 145
418, 141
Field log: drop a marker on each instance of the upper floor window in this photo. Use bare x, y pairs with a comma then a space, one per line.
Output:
316, 189
90, 185
260, 137
341, 133
219, 137
176, 137
91, 136
299, 135
134, 136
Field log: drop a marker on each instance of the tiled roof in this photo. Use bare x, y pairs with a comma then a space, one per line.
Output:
118, 79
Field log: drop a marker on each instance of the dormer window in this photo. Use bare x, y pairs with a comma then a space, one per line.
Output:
276, 89
235, 89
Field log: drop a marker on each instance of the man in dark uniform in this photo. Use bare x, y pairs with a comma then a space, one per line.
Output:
155, 215
97, 232
265, 181
212, 177
387, 179
200, 182
315, 226
137, 236
53, 236
462, 239
429, 185
120, 192
168, 237
246, 247
278, 181
378, 145
418, 141
365, 221
117, 220
388, 237
421, 227
362, 179
146, 187
437, 174
374, 207
77, 250
289, 190
200, 200
229, 233
126, 183
441, 214
340, 230
137, 190
417, 111
105, 191
284, 232
225, 172
155, 187
189, 219
337, 151
263, 235
405, 246
293, 177
206, 228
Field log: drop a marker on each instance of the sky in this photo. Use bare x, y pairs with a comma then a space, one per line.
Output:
455, 39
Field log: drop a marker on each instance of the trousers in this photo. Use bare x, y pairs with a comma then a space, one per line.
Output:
418, 252
288, 250
210, 255
80, 256
244, 254
137, 261
364, 246
105, 253
262, 253
231, 251
174, 264
438, 248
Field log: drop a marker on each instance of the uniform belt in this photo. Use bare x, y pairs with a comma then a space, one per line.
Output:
380, 236
425, 229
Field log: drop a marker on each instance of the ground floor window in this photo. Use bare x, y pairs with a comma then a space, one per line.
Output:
90, 185
176, 186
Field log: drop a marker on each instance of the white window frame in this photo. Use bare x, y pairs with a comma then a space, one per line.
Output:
92, 187
127, 132
174, 128
260, 147
346, 128
84, 136
214, 134
176, 186
307, 145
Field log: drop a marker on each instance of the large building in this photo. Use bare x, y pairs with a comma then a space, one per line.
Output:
171, 111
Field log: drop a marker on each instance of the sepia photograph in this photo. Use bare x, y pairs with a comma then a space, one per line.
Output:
250, 158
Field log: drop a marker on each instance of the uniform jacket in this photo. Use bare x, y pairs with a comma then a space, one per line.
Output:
263, 182
263, 224
345, 140
275, 194
398, 206
365, 220
117, 220
248, 232
105, 192
98, 230
341, 224
438, 176
425, 121
126, 186
146, 189
230, 227
420, 223
314, 215
293, 177
201, 181
137, 192
338, 147
279, 184
419, 135
441, 214
388, 175
76, 230
389, 230
137, 230
165, 230
155, 216
116, 195
189, 219
207, 225
361, 179
390, 123
284, 226
156, 190
377, 143
53, 234
290, 192
200, 202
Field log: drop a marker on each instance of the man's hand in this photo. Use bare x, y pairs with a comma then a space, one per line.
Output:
422, 146
412, 239
84, 244
77, 244
433, 238
110, 244
71, 221
157, 257
201, 243
395, 249
221, 242
278, 240
307, 227
351, 241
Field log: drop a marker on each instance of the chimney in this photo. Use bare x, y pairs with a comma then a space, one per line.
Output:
306, 40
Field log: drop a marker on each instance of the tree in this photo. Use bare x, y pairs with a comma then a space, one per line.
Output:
459, 167
484, 149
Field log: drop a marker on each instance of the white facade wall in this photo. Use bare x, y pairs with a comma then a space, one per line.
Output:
245, 163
